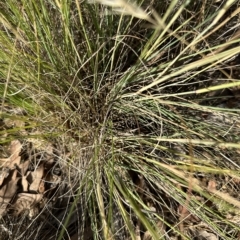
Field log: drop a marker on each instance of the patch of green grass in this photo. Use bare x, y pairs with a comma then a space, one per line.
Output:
136, 94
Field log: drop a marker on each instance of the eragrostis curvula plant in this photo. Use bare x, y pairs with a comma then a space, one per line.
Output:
139, 102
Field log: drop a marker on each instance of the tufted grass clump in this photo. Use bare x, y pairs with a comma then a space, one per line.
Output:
141, 99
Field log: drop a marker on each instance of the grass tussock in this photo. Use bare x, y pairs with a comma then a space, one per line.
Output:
141, 101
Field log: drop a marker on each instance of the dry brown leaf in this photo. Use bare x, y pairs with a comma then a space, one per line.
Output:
7, 192
41, 188
183, 212
147, 236
34, 178
9, 189
10, 122
4, 174
53, 179
236, 180
3, 206
24, 167
49, 163
25, 183
161, 227
137, 232
3, 161
212, 185
207, 235
15, 149
86, 235
186, 215
26, 201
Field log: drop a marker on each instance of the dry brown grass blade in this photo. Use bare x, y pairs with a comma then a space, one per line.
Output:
226, 197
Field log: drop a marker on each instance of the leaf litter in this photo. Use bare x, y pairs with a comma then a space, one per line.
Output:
34, 197
22, 185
